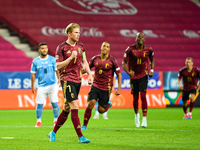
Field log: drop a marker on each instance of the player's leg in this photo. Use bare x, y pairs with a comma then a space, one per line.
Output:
185, 97
191, 98
92, 98
63, 115
60, 121
40, 101
135, 92
96, 116
143, 88
72, 98
53, 96
39, 109
105, 114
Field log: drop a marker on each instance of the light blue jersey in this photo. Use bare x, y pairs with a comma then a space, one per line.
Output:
45, 70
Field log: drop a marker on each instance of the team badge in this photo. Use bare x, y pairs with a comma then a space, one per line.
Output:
72, 95
79, 50
106, 66
96, 64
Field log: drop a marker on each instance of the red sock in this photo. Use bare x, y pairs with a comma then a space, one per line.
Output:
76, 122
135, 103
61, 120
87, 116
185, 109
191, 106
144, 104
107, 107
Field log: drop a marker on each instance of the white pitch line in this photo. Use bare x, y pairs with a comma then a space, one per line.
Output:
95, 127
7, 138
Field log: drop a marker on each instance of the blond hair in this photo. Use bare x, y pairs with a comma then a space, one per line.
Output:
71, 27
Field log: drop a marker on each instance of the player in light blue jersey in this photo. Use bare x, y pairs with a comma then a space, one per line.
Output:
44, 66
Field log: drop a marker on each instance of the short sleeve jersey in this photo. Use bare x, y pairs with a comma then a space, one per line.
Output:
138, 60
104, 72
45, 70
190, 79
72, 72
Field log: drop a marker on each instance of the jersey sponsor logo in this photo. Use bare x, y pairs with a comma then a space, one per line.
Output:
85, 31
98, 7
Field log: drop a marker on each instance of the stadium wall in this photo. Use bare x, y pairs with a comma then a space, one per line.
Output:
15, 91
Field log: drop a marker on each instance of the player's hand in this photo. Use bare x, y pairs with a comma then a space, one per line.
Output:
181, 87
150, 74
131, 73
90, 80
117, 92
74, 54
33, 90
59, 84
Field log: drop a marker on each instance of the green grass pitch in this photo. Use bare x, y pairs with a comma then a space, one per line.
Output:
166, 130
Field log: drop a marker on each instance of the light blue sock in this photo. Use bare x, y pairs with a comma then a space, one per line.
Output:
55, 109
96, 106
39, 109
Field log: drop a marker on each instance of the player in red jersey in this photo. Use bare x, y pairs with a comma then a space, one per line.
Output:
105, 66
136, 65
190, 76
71, 58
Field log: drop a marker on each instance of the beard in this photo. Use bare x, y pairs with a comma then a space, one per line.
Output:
43, 55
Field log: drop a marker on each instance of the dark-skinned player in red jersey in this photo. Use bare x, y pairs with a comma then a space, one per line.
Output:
70, 60
105, 66
136, 64
190, 76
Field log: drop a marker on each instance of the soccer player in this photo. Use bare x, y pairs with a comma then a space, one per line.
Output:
105, 66
45, 67
71, 58
190, 76
136, 64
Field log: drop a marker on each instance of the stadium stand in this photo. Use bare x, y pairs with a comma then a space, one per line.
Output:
171, 27
13, 59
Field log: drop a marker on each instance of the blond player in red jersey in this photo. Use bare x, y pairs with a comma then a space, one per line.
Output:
71, 58
190, 76
136, 65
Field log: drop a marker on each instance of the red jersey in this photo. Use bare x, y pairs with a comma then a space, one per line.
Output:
72, 72
104, 71
138, 60
190, 79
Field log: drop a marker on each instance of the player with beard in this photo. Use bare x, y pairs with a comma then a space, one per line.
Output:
190, 76
136, 64
71, 58
45, 67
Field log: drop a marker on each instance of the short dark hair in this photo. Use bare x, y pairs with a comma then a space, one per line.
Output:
41, 44
107, 42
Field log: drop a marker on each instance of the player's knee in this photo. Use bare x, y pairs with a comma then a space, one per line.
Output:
66, 107
101, 110
91, 103
143, 96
